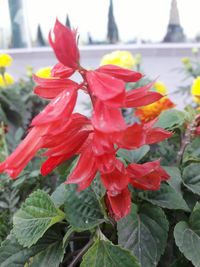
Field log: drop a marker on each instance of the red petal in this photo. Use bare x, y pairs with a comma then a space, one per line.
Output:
51, 163
120, 204
116, 180
27, 149
50, 88
85, 169
66, 145
156, 135
60, 107
106, 163
102, 143
64, 44
106, 87
107, 119
121, 73
59, 70
133, 137
141, 96
147, 176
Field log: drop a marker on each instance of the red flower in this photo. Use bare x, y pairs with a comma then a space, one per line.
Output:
95, 141
147, 176
138, 135
141, 96
125, 75
119, 205
50, 88
64, 44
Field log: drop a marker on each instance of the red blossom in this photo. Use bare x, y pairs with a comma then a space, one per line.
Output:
106, 88
141, 96
94, 141
119, 205
50, 88
64, 43
125, 75
147, 176
61, 71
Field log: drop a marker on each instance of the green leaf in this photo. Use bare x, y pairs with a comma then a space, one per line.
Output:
171, 119
188, 242
133, 155
36, 215
98, 187
52, 254
144, 232
175, 180
82, 209
167, 197
192, 151
59, 195
105, 254
191, 177
195, 219
47, 252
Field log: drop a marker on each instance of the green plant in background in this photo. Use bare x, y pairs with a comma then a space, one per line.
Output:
191, 70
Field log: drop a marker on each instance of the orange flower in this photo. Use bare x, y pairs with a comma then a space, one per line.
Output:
150, 112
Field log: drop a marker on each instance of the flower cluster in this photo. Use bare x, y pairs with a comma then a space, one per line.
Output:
95, 140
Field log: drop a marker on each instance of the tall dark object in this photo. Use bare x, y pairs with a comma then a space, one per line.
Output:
17, 24
112, 34
174, 31
67, 23
40, 38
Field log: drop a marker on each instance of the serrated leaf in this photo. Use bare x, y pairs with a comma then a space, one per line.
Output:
51, 255
195, 219
105, 254
191, 177
48, 250
192, 151
59, 195
144, 232
133, 155
175, 180
171, 119
188, 242
166, 197
36, 215
82, 209
98, 187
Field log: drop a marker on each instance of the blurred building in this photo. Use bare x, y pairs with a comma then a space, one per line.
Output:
175, 33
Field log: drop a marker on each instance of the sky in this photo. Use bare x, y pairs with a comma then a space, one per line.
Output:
143, 19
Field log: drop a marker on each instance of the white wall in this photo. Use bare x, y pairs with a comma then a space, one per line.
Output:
159, 60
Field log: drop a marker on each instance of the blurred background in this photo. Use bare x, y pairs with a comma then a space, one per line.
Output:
26, 23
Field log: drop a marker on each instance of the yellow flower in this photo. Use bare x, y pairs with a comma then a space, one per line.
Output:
160, 87
185, 60
195, 90
44, 72
5, 60
119, 58
6, 80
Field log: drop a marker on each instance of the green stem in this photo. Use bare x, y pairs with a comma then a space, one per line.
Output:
4, 139
81, 253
